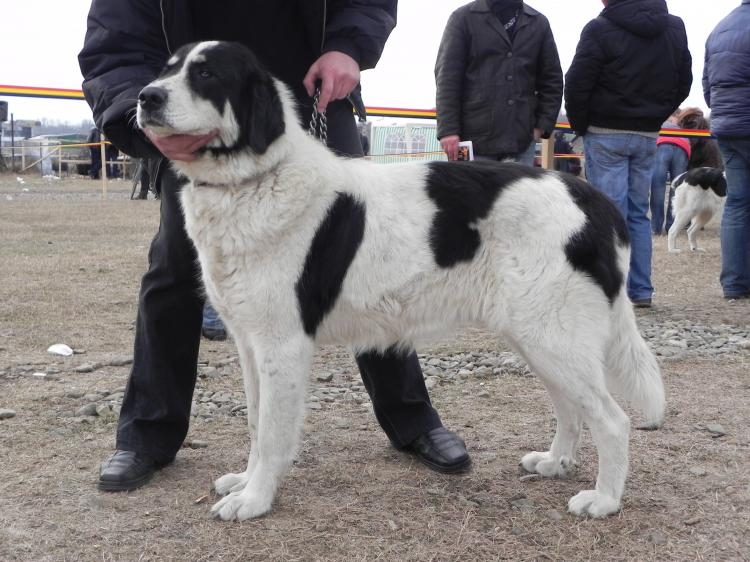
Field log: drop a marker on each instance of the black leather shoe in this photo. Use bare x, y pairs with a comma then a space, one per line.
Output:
126, 470
214, 334
441, 450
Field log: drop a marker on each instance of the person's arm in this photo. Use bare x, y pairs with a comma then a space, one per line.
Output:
685, 78
549, 85
124, 49
355, 35
582, 77
450, 67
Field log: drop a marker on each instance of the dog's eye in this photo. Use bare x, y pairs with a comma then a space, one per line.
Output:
205, 74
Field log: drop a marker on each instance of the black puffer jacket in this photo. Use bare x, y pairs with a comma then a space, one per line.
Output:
128, 42
631, 69
494, 92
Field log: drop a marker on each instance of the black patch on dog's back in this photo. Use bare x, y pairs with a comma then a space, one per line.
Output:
464, 193
331, 252
592, 249
706, 178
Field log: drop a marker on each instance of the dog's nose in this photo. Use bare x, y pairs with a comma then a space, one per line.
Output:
152, 97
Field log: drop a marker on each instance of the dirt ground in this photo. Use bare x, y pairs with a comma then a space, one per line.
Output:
71, 265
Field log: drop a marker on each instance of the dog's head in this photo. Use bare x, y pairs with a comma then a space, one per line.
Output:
215, 87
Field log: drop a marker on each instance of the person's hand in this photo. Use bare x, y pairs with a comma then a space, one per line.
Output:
180, 147
450, 146
338, 74
538, 134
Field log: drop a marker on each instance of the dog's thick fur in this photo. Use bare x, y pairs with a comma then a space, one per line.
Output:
300, 247
699, 195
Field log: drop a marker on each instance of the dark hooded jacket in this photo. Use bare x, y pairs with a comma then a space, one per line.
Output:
726, 74
631, 69
128, 42
494, 90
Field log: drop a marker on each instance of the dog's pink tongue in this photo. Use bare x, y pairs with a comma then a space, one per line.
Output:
181, 146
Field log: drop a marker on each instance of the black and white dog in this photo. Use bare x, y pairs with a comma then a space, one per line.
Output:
699, 195
299, 248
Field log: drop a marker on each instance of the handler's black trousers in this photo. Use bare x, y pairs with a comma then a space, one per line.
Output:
156, 408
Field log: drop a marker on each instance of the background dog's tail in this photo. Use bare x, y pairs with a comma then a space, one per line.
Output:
632, 370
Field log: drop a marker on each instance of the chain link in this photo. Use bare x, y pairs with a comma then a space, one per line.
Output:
318, 121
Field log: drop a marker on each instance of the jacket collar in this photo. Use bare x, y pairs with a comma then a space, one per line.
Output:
483, 7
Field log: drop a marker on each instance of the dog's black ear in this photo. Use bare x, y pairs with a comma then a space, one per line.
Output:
261, 116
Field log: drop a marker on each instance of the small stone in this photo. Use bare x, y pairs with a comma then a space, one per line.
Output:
698, 471
6, 414
554, 515
195, 444
692, 521
324, 377
87, 410
656, 537
314, 406
715, 429
84, 368
120, 361
392, 525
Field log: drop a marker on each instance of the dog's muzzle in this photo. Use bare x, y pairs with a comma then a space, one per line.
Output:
151, 103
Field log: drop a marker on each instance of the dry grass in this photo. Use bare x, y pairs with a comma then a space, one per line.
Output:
71, 264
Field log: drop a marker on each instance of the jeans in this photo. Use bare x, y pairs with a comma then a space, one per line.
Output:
526, 157
620, 165
211, 318
735, 223
671, 159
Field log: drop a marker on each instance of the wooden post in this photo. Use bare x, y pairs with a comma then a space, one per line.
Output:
103, 172
548, 153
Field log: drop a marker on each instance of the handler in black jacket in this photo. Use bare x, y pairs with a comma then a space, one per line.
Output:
498, 79
127, 44
631, 70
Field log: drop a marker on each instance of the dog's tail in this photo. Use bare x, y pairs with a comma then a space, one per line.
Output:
632, 370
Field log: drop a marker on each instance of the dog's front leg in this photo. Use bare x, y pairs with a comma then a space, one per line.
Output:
234, 482
283, 367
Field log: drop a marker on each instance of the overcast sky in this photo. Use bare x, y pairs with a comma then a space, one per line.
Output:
40, 39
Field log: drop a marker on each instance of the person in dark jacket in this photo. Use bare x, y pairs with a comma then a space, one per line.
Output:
95, 151
498, 80
726, 89
325, 42
631, 70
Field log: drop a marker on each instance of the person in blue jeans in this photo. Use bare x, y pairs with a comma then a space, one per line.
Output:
619, 90
212, 328
672, 157
726, 89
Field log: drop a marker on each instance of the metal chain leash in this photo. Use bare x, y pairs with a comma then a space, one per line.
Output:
318, 121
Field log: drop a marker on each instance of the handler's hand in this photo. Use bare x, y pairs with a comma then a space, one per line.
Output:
450, 146
338, 74
180, 147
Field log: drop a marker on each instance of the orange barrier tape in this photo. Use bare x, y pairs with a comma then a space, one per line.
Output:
59, 93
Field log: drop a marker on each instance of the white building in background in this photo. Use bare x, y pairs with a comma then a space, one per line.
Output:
401, 143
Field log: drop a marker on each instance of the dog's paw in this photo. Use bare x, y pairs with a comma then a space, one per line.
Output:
241, 506
231, 483
545, 464
593, 503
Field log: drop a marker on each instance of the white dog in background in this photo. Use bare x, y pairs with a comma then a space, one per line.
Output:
299, 248
699, 195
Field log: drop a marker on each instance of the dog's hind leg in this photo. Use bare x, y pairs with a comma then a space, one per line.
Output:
283, 367
679, 224
698, 222
561, 458
572, 368
233, 482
